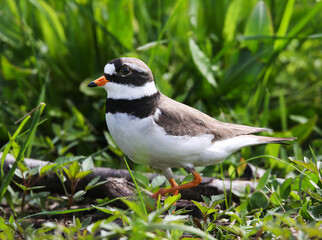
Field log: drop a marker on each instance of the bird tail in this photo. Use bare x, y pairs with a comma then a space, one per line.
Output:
265, 140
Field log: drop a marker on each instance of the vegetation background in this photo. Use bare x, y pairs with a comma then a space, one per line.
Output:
250, 62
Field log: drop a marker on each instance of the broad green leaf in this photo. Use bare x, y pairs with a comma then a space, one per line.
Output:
86, 222
304, 211
171, 200
79, 194
234, 216
259, 24
74, 169
63, 161
87, 164
68, 173
315, 212
264, 179
286, 188
258, 200
215, 198
144, 180
275, 198
237, 10
158, 181
206, 200
122, 27
136, 207
203, 209
82, 174
46, 168
202, 62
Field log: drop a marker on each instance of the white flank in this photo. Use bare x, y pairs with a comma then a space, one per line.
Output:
109, 69
129, 92
137, 68
220, 150
147, 143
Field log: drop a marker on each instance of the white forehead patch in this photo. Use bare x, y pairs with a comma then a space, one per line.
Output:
136, 67
109, 69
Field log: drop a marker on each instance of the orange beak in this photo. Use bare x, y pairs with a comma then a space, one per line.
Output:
98, 82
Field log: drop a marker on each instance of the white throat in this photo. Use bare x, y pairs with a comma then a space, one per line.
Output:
129, 92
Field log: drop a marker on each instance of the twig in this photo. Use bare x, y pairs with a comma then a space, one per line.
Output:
31, 112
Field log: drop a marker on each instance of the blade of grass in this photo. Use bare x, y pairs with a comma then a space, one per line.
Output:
284, 23
8, 146
225, 192
60, 212
136, 186
166, 26
283, 111
21, 153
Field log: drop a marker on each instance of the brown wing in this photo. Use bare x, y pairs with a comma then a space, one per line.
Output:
179, 119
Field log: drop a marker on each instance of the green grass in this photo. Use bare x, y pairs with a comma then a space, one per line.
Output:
248, 62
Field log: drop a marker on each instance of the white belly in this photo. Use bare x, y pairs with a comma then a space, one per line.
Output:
145, 142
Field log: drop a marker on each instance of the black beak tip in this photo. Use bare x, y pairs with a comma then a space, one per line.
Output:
92, 84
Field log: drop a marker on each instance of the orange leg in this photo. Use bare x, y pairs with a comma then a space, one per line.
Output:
175, 188
173, 184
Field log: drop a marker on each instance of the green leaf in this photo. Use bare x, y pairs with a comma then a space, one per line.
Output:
46, 168
233, 16
51, 26
303, 131
202, 62
114, 8
315, 212
258, 200
10, 31
93, 181
86, 222
74, 169
206, 200
95, 185
68, 173
25, 145
215, 198
79, 194
264, 179
87, 164
203, 209
82, 174
304, 211
259, 24
285, 189
171, 200
282, 30
158, 181
136, 207
309, 166
141, 178
63, 161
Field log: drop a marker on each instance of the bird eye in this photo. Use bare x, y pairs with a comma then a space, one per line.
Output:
125, 71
